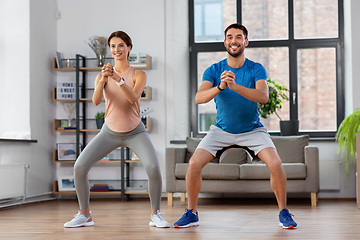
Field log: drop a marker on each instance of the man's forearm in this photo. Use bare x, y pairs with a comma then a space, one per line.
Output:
255, 95
206, 95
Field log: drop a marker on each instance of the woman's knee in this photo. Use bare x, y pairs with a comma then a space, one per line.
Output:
79, 170
153, 172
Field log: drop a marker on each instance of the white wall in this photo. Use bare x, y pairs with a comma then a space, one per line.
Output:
177, 70
353, 49
42, 41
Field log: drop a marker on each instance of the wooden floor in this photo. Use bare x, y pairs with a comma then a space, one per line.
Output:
219, 219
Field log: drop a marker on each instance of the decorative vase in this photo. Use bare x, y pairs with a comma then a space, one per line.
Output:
69, 122
99, 123
289, 128
101, 60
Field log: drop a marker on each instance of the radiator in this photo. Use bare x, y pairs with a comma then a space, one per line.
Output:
329, 174
12, 181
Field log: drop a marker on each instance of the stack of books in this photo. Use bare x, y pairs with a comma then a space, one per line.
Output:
66, 128
100, 188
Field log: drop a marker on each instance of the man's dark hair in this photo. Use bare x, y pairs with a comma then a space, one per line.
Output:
238, 26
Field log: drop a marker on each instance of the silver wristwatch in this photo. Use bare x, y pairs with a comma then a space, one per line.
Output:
122, 81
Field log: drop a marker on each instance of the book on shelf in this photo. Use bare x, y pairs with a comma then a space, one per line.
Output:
100, 185
66, 128
58, 57
99, 190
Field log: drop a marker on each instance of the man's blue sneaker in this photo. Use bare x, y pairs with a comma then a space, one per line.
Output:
286, 220
189, 219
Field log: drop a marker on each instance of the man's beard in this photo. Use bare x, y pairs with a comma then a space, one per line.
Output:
241, 50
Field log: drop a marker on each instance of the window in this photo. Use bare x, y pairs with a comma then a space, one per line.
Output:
299, 42
210, 17
265, 19
317, 89
15, 79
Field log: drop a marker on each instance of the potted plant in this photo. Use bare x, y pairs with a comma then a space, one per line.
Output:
100, 116
346, 136
277, 96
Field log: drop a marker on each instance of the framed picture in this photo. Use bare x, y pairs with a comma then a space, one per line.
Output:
134, 57
67, 151
66, 183
58, 57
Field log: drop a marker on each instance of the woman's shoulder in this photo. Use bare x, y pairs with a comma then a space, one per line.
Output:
139, 74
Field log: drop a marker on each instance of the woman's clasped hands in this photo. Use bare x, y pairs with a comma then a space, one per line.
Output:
108, 71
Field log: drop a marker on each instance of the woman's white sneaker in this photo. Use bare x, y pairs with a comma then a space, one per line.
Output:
80, 220
157, 220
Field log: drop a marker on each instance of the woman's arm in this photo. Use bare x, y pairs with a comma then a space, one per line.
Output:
133, 94
98, 92
100, 82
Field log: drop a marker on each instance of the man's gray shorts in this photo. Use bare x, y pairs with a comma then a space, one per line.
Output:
218, 142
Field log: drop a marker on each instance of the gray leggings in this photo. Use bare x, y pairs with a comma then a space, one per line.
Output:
102, 144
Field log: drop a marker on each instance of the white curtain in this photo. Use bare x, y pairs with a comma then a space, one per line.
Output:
15, 69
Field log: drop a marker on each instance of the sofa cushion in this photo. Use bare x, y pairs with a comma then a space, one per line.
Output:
235, 156
211, 171
291, 148
260, 171
191, 145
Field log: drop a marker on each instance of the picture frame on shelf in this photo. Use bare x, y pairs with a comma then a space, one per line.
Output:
58, 57
66, 183
67, 151
134, 57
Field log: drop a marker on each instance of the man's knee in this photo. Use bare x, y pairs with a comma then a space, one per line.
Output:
199, 159
194, 165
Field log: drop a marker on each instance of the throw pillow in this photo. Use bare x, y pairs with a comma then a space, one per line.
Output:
191, 145
235, 156
291, 148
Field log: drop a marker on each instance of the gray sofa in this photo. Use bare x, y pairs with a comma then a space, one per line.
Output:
236, 173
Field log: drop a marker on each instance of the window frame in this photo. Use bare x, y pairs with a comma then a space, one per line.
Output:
294, 45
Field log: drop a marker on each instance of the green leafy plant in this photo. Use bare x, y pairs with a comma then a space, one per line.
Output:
100, 115
277, 95
346, 136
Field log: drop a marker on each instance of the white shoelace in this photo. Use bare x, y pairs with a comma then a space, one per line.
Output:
159, 214
75, 216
